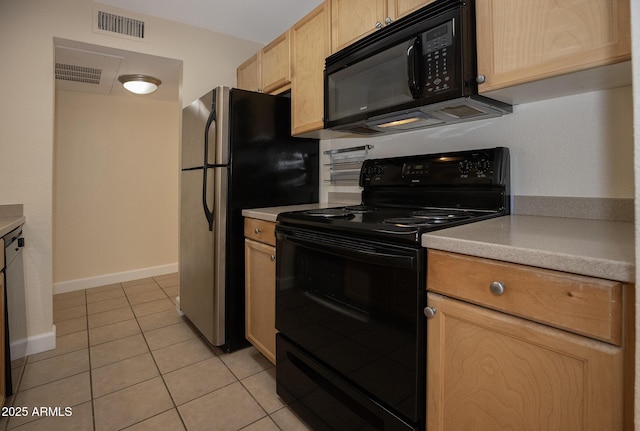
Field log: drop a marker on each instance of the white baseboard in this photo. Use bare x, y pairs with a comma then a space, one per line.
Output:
32, 345
118, 277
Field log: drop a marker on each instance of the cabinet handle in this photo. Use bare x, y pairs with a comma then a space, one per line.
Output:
388, 20
257, 230
273, 258
378, 24
429, 312
497, 288
481, 79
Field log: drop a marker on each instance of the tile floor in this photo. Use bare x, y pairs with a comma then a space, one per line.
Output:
125, 359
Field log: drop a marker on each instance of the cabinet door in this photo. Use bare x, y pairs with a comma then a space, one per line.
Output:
353, 19
399, 8
522, 41
276, 64
249, 73
260, 297
488, 371
310, 46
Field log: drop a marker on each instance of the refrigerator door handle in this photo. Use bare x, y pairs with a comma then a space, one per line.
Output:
205, 167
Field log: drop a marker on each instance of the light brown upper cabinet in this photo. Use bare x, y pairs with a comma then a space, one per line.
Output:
276, 64
269, 70
310, 46
353, 19
521, 41
248, 73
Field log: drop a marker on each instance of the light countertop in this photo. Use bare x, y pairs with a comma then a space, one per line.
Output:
271, 213
7, 224
604, 249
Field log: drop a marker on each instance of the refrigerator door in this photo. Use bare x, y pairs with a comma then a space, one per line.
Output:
203, 193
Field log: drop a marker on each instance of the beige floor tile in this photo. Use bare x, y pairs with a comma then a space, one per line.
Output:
287, 420
103, 288
137, 282
264, 424
108, 317
66, 295
229, 408
69, 313
159, 320
119, 375
116, 292
168, 335
68, 302
180, 355
199, 379
64, 344
168, 280
107, 305
172, 292
167, 421
153, 307
79, 418
246, 362
70, 326
114, 351
131, 405
263, 388
148, 296
58, 367
141, 287
67, 392
114, 331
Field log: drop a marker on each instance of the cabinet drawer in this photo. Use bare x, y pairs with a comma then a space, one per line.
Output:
584, 305
260, 230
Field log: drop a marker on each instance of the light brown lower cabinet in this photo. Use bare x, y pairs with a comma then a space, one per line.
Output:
490, 371
260, 287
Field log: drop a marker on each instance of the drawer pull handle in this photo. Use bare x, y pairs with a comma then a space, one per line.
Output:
273, 258
257, 230
497, 288
429, 312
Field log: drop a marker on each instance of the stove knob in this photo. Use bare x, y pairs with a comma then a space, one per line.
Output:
464, 166
482, 166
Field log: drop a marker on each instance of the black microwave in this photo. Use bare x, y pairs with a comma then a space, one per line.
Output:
417, 72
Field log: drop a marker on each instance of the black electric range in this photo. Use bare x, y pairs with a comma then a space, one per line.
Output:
404, 197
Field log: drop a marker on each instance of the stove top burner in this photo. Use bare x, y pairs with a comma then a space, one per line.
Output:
330, 213
407, 221
439, 216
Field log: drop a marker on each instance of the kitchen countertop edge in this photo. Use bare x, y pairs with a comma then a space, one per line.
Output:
271, 213
603, 249
7, 224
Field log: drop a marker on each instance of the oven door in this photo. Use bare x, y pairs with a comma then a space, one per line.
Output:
355, 307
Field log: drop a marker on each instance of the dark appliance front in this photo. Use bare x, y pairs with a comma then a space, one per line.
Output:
351, 285
418, 72
237, 153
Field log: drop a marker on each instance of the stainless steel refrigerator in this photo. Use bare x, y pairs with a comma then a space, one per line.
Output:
237, 153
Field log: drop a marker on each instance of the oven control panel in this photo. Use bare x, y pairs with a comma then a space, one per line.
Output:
479, 167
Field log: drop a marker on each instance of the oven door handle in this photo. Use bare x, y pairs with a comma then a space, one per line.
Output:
356, 253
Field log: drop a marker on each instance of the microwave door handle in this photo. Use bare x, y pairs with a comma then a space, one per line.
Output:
411, 67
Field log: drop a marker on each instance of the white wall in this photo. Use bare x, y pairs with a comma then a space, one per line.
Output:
579, 146
27, 29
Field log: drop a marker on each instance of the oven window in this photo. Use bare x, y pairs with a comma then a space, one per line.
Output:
355, 307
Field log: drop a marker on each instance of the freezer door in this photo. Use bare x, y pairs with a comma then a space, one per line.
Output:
202, 256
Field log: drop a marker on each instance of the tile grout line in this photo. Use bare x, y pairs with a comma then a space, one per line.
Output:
153, 358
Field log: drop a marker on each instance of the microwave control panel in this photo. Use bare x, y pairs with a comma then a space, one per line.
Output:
438, 56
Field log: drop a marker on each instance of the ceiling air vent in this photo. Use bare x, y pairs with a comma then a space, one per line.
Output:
86, 75
120, 23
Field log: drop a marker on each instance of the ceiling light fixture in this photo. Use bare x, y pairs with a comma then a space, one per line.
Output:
139, 84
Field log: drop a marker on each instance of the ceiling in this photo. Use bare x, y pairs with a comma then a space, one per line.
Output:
256, 20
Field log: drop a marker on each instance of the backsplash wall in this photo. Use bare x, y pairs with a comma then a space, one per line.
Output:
578, 146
